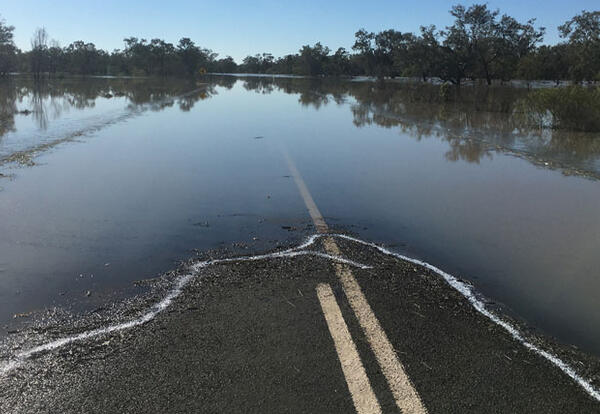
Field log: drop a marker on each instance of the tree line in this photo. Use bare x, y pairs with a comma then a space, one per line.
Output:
481, 44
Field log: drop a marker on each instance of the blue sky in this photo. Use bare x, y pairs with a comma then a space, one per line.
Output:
239, 28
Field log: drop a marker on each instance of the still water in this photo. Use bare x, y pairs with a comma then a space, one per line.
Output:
108, 181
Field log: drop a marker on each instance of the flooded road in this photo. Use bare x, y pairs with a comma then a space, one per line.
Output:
131, 175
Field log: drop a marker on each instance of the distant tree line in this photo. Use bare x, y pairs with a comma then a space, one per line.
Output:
139, 57
481, 44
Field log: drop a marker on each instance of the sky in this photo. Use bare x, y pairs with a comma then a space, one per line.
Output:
238, 29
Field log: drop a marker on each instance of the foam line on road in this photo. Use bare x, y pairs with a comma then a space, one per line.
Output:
466, 290
469, 293
18, 359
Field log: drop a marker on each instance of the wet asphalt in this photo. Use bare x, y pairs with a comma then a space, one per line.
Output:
251, 337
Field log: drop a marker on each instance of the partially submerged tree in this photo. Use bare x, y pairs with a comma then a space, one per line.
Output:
480, 45
385, 53
424, 54
456, 53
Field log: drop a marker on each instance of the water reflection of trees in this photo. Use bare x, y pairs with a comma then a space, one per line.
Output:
45, 100
475, 122
8, 106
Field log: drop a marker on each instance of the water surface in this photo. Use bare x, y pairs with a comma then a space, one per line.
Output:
132, 175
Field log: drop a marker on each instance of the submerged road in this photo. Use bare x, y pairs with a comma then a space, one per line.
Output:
333, 325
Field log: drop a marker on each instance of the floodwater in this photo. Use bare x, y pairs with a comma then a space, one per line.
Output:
109, 181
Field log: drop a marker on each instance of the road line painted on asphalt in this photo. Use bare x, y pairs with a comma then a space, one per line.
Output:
406, 397
359, 385
313, 210
402, 388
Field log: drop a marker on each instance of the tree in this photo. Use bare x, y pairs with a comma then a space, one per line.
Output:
481, 30
39, 52
423, 53
193, 58
554, 62
390, 52
8, 50
515, 42
456, 54
338, 63
266, 62
137, 54
313, 59
251, 64
225, 65
117, 63
481, 46
259, 63
364, 45
286, 64
84, 59
162, 56
382, 54
583, 28
583, 36
56, 58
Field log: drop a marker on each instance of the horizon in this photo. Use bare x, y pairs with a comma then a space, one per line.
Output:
247, 34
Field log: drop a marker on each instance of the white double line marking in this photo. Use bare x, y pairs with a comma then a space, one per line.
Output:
358, 383
406, 397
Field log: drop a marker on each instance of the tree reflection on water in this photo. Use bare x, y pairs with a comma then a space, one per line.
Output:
475, 122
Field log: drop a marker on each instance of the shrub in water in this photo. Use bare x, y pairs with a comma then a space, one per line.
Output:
575, 108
